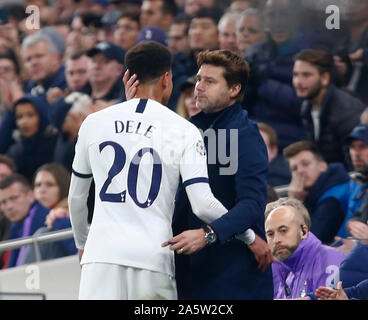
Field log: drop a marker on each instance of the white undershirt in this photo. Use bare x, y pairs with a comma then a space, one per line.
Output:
316, 123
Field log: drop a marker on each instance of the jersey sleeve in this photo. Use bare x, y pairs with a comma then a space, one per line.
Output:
81, 165
79, 188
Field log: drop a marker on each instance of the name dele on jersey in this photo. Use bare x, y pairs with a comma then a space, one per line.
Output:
131, 126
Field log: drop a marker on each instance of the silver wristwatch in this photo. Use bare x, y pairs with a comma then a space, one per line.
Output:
210, 235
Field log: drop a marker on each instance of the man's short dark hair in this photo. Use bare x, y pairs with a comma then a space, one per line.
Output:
9, 54
236, 68
134, 16
9, 162
322, 60
213, 13
15, 178
149, 60
182, 18
293, 149
77, 54
169, 7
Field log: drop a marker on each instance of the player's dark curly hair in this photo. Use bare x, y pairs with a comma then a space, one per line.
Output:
148, 60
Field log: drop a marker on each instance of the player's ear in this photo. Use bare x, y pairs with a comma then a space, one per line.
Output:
165, 79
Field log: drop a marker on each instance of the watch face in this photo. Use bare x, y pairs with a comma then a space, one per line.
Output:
211, 237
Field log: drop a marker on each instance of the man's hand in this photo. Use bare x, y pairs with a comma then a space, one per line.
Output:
55, 214
262, 253
10, 92
131, 85
187, 242
56, 93
356, 55
296, 188
72, 123
358, 229
347, 244
325, 293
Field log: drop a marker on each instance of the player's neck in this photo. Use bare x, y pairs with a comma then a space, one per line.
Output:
149, 92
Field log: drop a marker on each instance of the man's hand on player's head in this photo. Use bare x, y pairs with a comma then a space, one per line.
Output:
131, 84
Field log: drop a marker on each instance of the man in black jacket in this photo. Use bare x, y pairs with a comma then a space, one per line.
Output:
328, 113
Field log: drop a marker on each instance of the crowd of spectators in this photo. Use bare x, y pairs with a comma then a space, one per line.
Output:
307, 90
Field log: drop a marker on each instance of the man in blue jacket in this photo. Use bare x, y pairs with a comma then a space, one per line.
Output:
237, 167
323, 188
25, 213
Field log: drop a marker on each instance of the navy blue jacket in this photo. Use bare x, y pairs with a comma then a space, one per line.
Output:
358, 292
228, 269
354, 268
16, 229
56, 80
327, 202
67, 245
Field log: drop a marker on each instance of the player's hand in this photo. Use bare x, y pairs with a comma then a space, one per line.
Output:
262, 253
131, 85
325, 293
187, 242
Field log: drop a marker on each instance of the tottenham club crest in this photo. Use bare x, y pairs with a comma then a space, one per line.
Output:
201, 148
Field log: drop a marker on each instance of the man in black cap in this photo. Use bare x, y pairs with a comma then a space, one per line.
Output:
105, 74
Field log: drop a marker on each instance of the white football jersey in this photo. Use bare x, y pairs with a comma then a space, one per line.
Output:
136, 152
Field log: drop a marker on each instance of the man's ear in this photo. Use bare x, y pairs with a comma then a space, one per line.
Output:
273, 152
165, 79
323, 166
234, 90
325, 79
304, 230
30, 196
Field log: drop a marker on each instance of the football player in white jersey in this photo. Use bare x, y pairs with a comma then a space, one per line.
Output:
136, 152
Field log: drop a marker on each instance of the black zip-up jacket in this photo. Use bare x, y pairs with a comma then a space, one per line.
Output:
340, 113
